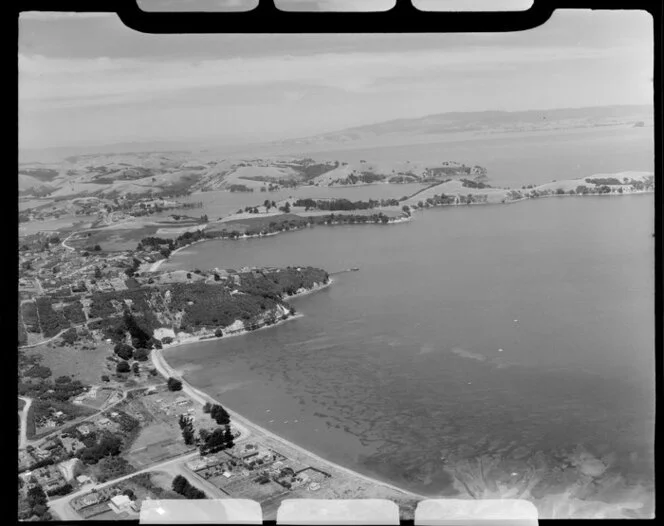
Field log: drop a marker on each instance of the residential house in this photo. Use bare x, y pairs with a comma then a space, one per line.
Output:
84, 429
122, 503
83, 479
72, 445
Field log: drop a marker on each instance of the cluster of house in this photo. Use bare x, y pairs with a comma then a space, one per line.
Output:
106, 284
51, 420
248, 458
50, 478
290, 479
101, 422
61, 447
239, 458
117, 502
90, 394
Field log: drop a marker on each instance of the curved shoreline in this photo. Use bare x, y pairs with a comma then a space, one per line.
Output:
155, 266
201, 397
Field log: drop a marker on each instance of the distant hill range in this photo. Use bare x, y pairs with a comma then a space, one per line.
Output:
168, 169
484, 122
170, 174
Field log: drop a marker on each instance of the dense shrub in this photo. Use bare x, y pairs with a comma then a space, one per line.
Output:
64, 490
73, 312
124, 351
109, 445
51, 322
182, 486
112, 467
174, 384
70, 336
38, 371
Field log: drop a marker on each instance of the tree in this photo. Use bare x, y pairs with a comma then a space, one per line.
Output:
187, 427
135, 368
124, 351
173, 384
267, 204
218, 333
213, 442
105, 378
123, 367
129, 493
36, 496
228, 437
97, 272
179, 484
97, 248
141, 355
193, 493
207, 407
182, 486
220, 415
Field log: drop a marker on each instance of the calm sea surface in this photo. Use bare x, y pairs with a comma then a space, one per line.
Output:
516, 331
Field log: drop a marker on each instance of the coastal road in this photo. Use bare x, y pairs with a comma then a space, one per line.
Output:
23, 437
166, 370
62, 509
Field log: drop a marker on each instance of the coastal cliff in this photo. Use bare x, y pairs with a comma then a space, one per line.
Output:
216, 303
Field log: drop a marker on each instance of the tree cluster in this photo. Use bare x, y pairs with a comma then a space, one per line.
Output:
187, 427
220, 415
51, 321
174, 384
221, 438
182, 487
240, 188
124, 351
37, 504
108, 445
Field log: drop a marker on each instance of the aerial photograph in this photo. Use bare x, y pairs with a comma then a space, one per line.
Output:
399, 266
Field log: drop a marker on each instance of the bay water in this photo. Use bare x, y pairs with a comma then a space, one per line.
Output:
521, 333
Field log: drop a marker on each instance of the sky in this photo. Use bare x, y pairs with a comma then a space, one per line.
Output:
86, 79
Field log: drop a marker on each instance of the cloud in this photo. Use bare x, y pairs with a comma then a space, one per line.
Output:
72, 82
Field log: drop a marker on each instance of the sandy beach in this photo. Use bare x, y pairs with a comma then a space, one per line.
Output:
345, 480
290, 449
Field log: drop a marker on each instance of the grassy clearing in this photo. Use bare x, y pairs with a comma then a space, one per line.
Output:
114, 239
86, 365
253, 223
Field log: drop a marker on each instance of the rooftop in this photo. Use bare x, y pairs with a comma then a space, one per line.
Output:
121, 500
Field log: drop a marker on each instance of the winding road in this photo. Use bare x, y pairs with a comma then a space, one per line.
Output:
23, 437
61, 508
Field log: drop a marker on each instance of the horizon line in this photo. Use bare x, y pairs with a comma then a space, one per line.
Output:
201, 141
